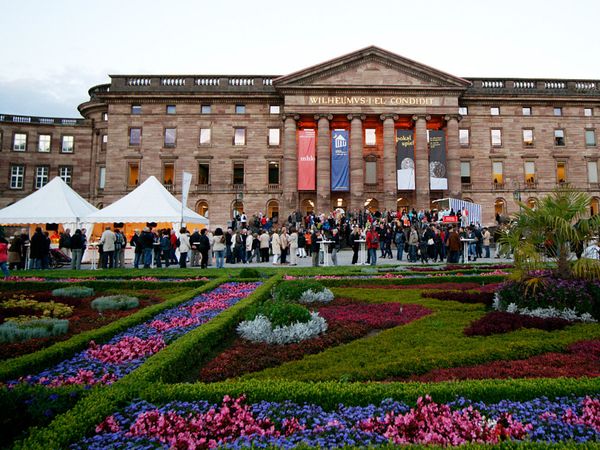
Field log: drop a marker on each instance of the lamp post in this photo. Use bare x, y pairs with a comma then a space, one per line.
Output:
517, 192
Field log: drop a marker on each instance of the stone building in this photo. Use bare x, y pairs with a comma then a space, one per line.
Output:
496, 140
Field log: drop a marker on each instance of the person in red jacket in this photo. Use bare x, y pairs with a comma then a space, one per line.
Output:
372, 244
4, 257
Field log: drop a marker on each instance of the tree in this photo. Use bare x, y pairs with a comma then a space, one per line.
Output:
548, 231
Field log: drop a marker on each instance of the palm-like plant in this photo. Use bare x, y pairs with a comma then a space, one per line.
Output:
548, 231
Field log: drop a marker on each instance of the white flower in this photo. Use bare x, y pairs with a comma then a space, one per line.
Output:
512, 308
261, 330
310, 296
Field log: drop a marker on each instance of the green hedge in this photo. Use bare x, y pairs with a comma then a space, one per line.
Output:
98, 285
358, 282
40, 360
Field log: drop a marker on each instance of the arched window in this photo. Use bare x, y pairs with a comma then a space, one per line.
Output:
237, 208
307, 206
372, 205
500, 207
338, 203
202, 208
594, 206
402, 204
100, 205
272, 208
532, 202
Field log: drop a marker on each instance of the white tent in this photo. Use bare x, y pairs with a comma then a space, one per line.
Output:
54, 203
149, 202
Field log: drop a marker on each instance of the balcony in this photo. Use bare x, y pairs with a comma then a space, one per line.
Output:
498, 186
466, 186
273, 187
531, 185
203, 187
169, 187
238, 187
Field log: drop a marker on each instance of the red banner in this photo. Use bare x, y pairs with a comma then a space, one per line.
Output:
450, 219
306, 160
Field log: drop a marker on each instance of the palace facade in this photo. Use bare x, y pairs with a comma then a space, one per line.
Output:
370, 129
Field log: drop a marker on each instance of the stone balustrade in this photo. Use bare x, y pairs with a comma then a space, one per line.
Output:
533, 86
40, 120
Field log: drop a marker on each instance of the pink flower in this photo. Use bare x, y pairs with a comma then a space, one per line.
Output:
126, 349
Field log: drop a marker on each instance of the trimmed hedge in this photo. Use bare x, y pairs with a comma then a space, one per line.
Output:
409, 281
34, 362
98, 285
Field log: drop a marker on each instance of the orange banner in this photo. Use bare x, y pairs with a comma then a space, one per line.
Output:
306, 160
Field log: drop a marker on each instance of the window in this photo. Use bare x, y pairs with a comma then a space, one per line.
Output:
498, 173
371, 171
170, 137
239, 136
465, 172
105, 117
370, 137
44, 141
529, 173
592, 171
526, 110
494, 111
20, 142
17, 177
205, 136
101, 177
274, 136
463, 110
104, 140
41, 176
559, 137
496, 137
238, 173
168, 175
66, 174
463, 137
133, 174
68, 144
135, 136
588, 112
202, 208
558, 111
528, 137
240, 109
561, 172
274, 109
203, 173
590, 138
136, 109
205, 109
171, 109
274, 172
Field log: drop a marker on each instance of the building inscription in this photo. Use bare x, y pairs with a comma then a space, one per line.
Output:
370, 100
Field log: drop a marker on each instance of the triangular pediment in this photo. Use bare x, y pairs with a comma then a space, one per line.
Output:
371, 67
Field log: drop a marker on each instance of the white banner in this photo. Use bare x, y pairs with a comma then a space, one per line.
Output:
186, 181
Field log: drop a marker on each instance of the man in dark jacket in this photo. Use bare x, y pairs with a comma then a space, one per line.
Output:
203, 247
453, 246
37, 249
194, 243
136, 243
147, 240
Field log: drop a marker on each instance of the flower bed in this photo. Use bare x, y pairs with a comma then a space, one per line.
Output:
377, 315
128, 350
581, 360
498, 322
235, 423
460, 267
486, 298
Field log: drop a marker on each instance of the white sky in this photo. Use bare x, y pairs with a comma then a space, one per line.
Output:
53, 51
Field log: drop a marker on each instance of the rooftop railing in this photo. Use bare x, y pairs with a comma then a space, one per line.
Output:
188, 83
40, 120
534, 86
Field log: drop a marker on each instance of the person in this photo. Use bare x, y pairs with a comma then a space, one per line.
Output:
486, 236
256, 247
400, 241
203, 248
284, 244
147, 240
194, 242
263, 238
77, 247
335, 246
413, 242
165, 247
36, 251
301, 244
108, 240
228, 246
372, 245
64, 242
14, 252
136, 243
429, 239
293, 241
248, 244
453, 246
4, 256
315, 246
120, 243
24, 247
173, 237
219, 247
184, 247
275, 247
354, 238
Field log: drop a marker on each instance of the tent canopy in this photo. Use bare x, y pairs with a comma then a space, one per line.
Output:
473, 209
149, 202
56, 202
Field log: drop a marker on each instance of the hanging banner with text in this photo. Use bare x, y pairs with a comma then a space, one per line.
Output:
340, 163
438, 178
405, 160
306, 160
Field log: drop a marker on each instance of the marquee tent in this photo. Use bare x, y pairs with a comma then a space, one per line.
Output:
56, 202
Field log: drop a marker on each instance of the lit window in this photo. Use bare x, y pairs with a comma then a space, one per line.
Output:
41, 176
273, 172
497, 173
558, 111
168, 175
239, 136
105, 117
104, 140
559, 137
274, 136
274, 109
592, 171
101, 177
135, 136
171, 109
494, 111
463, 110
205, 109
133, 174
17, 176
528, 138
170, 137
204, 136
136, 109
590, 138
587, 112
370, 138
68, 143
44, 143
529, 172
66, 174
465, 172
240, 109
20, 142
496, 137
561, 172
526, 110
463, 137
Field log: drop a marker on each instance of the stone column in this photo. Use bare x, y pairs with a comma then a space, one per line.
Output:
453, 155
390, 184
323, 164
289, 171
421, 162
357, 172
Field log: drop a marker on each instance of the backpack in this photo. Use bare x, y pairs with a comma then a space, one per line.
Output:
118, 241
374, 237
